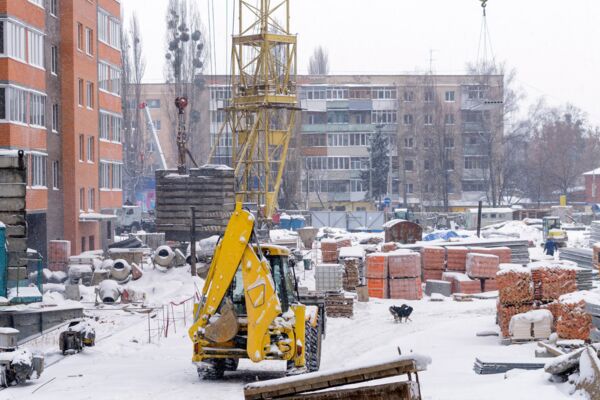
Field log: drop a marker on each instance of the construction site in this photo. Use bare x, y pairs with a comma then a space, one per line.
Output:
285, 235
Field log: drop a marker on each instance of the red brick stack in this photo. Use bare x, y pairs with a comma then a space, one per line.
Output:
329, 250
506, 312
59, 252
407, 289
433, 260
573, 321
552, 281
596, 256
489, 285
456, 258
503, 253
377, 275
461, 283
482, 265
404, 269
515, 293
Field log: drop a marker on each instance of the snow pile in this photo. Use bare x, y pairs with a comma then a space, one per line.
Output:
516, 229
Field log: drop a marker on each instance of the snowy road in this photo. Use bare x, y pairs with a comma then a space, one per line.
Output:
125, 366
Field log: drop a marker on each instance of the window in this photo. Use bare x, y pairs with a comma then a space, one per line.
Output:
408, 119
79, 36
409, 96
115, 33
115, 80
89, 94
359, 93
15, 40
153, 103
337, 117
55, 175
428, 142
37, 109
216, 93
314, 93
89, 41
449, 96
91, 199
408, 188
384, 93
384, 117
92, 244
55, 117
335, 93
90, 149
39, 3
80, 92
428, 96
473, 186
427, 165
82, 243
103, 77
104, 126
409, 142
476, 163
450, 165
449, 142
102, 27
38, 168
356, 185
54, 7
476, 92
428, 119
36, 48
81, 199
116, 129
117, 176
54, 60
104, 175
408, 165
81, 149
449, 119
17, 105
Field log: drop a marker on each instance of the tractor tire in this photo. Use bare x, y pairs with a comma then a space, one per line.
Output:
313, 340
231, 364
212, 370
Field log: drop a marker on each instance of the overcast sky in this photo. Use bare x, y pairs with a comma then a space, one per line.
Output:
553, 44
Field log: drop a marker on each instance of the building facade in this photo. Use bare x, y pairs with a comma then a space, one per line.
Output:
60, 82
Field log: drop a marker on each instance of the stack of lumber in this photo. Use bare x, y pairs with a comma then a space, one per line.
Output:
461, 283
534, 324
506, 312
329, 250
573, 321
407, 289
433, 260
441, 287
456, 258
377, 275
552, 279
328, 278
484, 366
351, 275
209, 188
338, 306
482, 265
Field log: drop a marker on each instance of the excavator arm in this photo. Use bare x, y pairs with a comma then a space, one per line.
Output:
262, 304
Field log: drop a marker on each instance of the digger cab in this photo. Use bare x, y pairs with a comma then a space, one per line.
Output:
281, 272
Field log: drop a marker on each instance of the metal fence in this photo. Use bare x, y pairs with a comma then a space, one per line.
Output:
349, 220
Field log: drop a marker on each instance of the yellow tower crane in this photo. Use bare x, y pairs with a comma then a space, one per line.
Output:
263, 106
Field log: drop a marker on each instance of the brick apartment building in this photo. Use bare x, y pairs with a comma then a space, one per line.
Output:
426, 118
60, 82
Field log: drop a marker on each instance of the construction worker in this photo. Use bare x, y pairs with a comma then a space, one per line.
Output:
549, 247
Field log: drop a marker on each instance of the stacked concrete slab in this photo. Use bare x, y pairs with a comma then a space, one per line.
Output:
13, 182
209, 188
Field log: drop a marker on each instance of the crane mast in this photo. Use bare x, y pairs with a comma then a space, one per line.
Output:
263, 107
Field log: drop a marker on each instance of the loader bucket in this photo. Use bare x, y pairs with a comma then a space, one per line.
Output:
225, 328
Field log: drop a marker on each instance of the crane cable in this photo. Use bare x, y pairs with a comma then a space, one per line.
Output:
485, 51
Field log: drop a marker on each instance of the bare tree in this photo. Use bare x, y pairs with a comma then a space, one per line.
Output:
319, 62
184, 67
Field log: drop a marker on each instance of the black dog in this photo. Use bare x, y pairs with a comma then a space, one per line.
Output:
401, 313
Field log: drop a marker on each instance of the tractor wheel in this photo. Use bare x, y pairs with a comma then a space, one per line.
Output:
313, 339
231, 364
213, 369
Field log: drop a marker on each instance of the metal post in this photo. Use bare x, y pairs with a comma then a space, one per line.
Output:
193, 242
3, 262
479, 206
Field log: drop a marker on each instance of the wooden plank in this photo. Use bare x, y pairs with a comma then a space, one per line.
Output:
390, 391
551, 349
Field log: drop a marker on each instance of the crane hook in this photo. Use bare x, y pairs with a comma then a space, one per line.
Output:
483, 5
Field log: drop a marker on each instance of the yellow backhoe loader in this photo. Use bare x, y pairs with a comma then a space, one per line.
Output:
250, 307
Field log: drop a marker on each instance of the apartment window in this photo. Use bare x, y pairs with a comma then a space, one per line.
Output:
428, 96
37, 109
80, 92
103, 77
81, 149
473, 186
17, 105
337, 93
117, 176
449, 142
449, 96
153, 103
449, 119
116, 129
356, 185
384, 93
102, 27
54, 7
90, 149
408, 119
89, 41
90, 94
13, 40
428, 142
428, 119
39, 3
36, 48
409, 142
38, 167
115, 33
408, 165
83, 240
427, 165
408, 188
450, 165
55, 117
115, 81
79, 36
91, 199
104, 175
476, 163
81, 199
409, 96
384, 117
55, 175
104, 126
476, 92
337, 117
54, 60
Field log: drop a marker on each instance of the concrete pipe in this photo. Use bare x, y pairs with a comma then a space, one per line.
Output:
109, 291
163, 257
120, 270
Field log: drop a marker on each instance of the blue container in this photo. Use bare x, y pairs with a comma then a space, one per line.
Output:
297, 223
285, 223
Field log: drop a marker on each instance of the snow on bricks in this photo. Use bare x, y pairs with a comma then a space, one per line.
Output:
433, 258
377, 265
404, 265
482, 265
351, 278
461, 283
407, 289
456, 258
573, 322
553, 279
503, 253
329, 250
514, 284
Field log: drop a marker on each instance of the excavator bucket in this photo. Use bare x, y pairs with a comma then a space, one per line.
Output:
225, 327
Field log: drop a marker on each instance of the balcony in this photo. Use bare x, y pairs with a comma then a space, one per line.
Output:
337, 104
332, 128
360, 105
473, 127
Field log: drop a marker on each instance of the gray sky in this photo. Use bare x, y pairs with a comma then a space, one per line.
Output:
553, 44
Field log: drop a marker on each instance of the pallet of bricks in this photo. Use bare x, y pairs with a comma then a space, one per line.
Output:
59, 252
330, 248
351, 274
329, 279
394, 275
484, 263
515, 294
